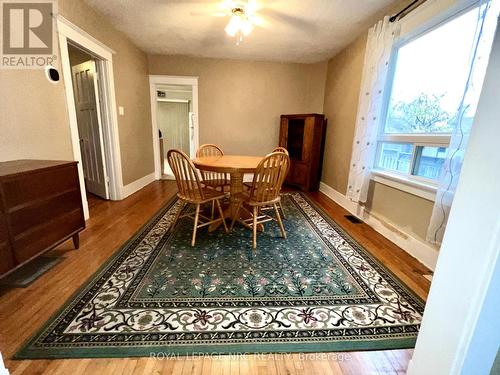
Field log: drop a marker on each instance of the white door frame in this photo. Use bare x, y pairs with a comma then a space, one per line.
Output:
155, 80
68, 32
99, 114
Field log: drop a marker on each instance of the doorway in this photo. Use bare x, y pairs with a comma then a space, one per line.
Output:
174, 116
71, 36
174, 105
87, 100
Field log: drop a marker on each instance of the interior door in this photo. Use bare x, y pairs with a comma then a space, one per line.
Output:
88, 114
174, 122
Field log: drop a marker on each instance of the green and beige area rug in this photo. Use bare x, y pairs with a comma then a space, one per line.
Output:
316, 291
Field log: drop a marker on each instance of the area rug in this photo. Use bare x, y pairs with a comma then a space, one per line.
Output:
316, 291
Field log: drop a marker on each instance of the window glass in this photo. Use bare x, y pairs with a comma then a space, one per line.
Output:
395, 156
428, 161
429, 78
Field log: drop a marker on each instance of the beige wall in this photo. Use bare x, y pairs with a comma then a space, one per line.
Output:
343, 81
33, 117
240, 101
43, 130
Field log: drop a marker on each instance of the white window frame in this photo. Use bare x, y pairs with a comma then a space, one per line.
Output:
417, 185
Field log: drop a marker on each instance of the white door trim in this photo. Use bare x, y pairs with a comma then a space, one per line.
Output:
172, 80
69, 32
96, 160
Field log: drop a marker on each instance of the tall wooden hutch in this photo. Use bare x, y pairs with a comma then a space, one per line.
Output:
304, 137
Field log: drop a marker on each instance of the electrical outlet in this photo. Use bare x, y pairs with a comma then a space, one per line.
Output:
121, 110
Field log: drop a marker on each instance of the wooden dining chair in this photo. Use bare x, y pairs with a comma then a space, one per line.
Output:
264, 192
212, 180
248, 185
191, 191
281, 149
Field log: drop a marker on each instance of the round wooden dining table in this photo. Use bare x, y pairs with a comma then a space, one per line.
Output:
236, 166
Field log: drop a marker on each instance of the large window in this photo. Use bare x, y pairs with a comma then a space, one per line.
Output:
429, 78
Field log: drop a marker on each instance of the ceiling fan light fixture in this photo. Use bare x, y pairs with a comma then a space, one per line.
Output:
246, 27
233, 26
239, 24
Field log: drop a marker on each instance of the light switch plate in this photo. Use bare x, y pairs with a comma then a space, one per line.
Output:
121, 110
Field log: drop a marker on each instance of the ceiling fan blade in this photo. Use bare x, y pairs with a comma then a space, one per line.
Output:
290, 20
211, 14
252, 7
257, 21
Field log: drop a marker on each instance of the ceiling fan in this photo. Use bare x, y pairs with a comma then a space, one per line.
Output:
242, 17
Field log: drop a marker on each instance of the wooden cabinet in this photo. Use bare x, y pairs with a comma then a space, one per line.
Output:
40, 207
303, 136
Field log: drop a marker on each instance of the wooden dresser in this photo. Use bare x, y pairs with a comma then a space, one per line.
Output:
304, 137
40, 207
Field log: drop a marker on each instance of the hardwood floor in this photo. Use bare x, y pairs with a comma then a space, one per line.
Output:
23, 311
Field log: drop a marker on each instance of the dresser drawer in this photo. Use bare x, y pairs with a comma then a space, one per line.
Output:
23, 189
43, 211
46, 236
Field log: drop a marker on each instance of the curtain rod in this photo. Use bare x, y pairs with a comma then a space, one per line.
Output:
403, 12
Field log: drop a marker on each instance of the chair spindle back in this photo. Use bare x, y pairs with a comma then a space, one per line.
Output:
269, 177
186, 175
285, 151
211, 150
281, 149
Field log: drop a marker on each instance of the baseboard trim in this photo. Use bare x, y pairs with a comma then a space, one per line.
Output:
422, 251
137, 185
342, 200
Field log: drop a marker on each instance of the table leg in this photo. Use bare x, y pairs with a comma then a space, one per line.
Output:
230, 211
237, 187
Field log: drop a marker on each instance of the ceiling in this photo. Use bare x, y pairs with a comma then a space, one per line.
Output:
303, 31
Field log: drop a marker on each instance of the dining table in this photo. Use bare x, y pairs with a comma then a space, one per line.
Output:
236, 166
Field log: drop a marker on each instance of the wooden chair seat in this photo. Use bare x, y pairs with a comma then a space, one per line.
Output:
216, 183
247, 199
203, 196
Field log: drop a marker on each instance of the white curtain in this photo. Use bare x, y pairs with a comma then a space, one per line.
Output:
487, 15
378, 52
